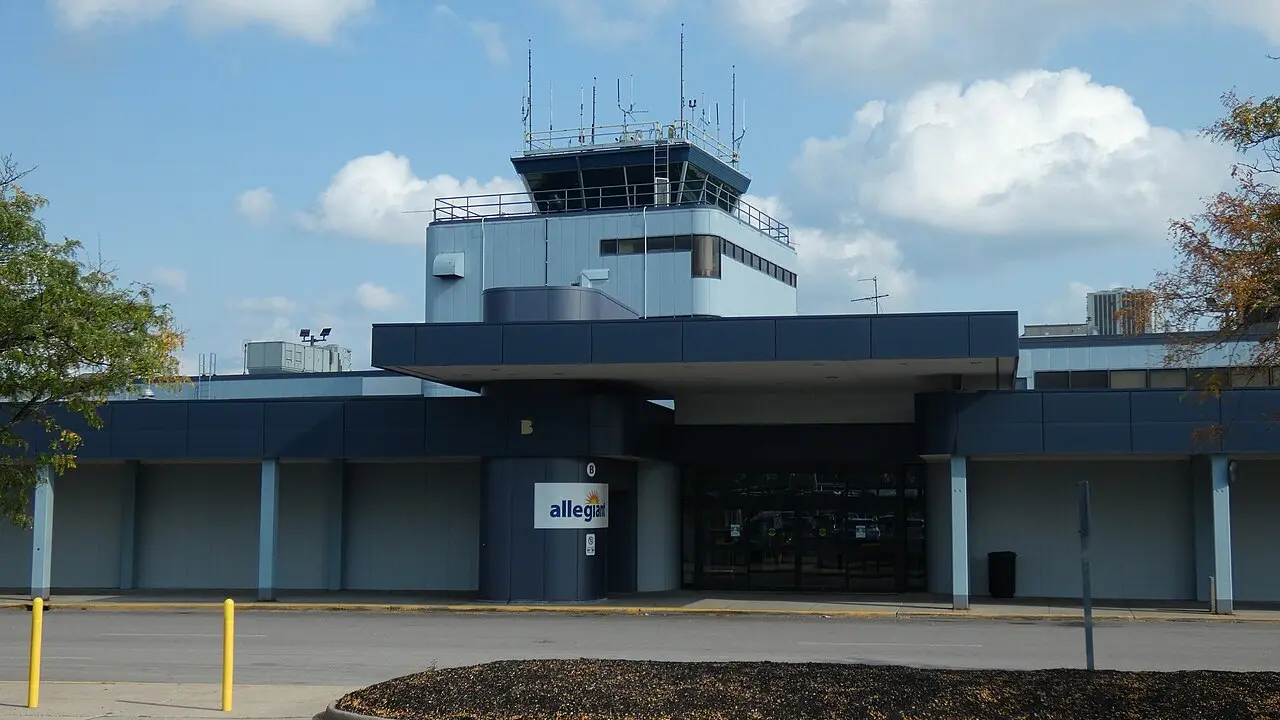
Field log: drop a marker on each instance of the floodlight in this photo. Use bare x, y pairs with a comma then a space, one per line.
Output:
304, 333
324, 333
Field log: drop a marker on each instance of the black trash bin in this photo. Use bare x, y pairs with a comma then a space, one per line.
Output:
1002, 574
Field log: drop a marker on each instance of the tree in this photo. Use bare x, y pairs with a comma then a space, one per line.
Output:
70, 337
1226, 287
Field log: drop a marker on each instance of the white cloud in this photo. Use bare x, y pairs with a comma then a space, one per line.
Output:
174, 279
1069, 307
257, 205
619, 23
1261, 15
1039, 153
490, 36
276, 304
948, 39
316, 21
368, 197
372, 296
836, 266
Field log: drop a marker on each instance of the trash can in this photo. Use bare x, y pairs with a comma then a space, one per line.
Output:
1002, 577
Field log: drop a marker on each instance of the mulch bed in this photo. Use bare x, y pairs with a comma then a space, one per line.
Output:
631, 690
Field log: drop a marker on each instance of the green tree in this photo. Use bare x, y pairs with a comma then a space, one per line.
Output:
1226, 287
70, 336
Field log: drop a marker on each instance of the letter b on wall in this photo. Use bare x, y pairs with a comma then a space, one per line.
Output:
526, 427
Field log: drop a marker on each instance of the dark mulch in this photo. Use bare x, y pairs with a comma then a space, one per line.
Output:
628, 690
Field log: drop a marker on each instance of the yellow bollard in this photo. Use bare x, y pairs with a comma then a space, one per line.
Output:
37, 640
228, 651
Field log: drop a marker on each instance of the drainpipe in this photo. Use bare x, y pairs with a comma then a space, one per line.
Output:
644, 220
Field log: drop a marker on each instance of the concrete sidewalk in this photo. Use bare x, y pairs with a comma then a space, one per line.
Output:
663, 603
134, 701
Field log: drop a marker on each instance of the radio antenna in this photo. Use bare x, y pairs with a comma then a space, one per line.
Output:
717, 122
582, 109
527, 110
551, 105
682, 136
593, 111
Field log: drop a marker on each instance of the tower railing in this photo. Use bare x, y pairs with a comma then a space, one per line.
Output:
637, 134
690, 193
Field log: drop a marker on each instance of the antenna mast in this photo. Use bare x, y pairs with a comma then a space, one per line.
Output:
593, 111
875, 296
682, 135
527, 110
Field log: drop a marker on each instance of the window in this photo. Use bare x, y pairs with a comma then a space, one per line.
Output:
630, 246
1089, 380
663, 243
1052, 381
655, 244
1169, 379
1209, 378
706, 256
1128, 379
1249, 377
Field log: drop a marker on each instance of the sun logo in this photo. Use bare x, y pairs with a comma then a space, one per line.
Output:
593, 498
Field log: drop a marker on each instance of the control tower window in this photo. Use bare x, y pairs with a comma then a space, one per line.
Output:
706, 256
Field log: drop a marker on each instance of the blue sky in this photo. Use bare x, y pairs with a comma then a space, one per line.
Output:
252, 158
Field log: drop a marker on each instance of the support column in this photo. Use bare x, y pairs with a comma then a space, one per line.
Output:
959, 533
129, 525
1221, 470
268, 523
335, 549
42, 536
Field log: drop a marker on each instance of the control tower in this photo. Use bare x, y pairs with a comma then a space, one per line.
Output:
650, 214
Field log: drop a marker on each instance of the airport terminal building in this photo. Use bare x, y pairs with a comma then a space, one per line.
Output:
613, 393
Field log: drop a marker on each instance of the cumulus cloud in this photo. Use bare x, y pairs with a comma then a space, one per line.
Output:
1040, 153
275, 304
835, 264
257, 205
174, 279
607, 22
945, 39
375, 297
368, 197
316, 21
487, 32
1068, 307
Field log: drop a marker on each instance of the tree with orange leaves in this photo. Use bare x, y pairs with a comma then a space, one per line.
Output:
1226, 287
70, 337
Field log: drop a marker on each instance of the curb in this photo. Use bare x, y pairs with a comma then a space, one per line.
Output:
333, 713
268, 607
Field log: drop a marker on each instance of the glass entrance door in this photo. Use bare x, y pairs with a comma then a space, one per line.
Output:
850, 531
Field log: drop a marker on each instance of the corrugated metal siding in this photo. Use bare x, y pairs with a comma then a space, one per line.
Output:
87, 527
1255, 531
1119, 357
302, 534
413, 526
1143, 542
197, 526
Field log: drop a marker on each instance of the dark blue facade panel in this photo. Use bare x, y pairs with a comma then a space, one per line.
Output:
225, 430
820, 339
1099, 422
729, 340
793, 445
303, 429
546, 344
906, 337
648, 341
395, 345
692, 340
94, 444
149, 429
469, 344
462, 427
392, 428
993, 335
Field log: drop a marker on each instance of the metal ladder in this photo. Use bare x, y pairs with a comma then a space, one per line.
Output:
661, 170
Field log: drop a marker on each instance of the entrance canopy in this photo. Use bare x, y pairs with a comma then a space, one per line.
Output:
668, 355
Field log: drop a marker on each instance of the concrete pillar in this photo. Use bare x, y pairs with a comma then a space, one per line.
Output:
42, 537
335, 549
1221, 471
268, 528
959, 533
129, 525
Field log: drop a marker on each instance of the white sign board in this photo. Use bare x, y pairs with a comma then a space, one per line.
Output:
570, 506
591, 544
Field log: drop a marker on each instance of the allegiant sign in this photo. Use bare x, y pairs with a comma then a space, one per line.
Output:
570, 506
